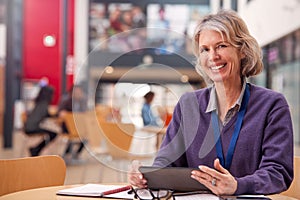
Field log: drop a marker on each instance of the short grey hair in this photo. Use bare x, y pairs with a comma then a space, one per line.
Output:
231, 26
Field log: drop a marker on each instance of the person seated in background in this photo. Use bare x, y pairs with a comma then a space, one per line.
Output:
75, 101
237, 136
149, 119
33, 123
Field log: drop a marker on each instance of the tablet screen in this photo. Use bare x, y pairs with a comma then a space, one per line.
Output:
171, 178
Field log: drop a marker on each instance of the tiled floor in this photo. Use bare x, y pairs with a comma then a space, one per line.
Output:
89, 170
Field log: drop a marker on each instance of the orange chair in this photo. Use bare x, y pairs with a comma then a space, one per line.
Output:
114, 145
294, 189
76, 125
31, 172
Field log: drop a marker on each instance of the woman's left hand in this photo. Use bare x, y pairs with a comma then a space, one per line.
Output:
218, 180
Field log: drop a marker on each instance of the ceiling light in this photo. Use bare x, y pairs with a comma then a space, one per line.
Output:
49, 40
184, 79
109, 69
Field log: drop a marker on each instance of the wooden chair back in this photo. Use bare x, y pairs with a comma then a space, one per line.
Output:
112, 139
94, 133
294, 189
31, 172
75, 123
118, 138
104, 112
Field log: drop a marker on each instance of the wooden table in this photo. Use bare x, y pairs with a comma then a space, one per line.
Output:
46, 193
49, 193
281, 197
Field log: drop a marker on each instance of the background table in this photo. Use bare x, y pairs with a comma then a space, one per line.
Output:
159, 131
49, 193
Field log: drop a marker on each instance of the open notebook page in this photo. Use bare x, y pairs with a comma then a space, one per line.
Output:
95, 190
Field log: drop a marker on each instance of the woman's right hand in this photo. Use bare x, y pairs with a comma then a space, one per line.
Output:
135, 177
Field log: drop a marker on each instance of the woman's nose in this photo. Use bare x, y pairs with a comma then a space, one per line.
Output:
213, 54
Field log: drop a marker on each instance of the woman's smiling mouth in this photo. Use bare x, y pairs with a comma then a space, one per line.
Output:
214, 68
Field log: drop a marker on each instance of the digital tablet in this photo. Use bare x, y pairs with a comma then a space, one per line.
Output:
171, 178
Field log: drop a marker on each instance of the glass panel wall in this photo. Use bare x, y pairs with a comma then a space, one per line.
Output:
282, 73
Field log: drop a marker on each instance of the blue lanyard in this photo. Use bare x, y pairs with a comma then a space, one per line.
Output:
215, 123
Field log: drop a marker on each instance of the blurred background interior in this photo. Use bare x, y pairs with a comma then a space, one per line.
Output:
117, 51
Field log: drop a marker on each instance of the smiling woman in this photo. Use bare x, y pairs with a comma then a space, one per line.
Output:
239, 135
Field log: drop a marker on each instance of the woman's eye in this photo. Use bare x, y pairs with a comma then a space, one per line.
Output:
221, 46
203, 50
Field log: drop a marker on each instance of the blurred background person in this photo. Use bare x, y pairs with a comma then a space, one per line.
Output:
36, 120
138, 17
75, 101
149, 118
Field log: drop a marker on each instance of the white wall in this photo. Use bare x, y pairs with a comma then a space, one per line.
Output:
81, 39
215, 5
268, 20
2, 42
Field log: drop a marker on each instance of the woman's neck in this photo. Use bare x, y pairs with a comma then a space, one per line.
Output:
227, 94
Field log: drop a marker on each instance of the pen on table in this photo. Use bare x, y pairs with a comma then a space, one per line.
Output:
120, 189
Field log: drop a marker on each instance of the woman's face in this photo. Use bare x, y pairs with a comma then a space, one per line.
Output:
219, 59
